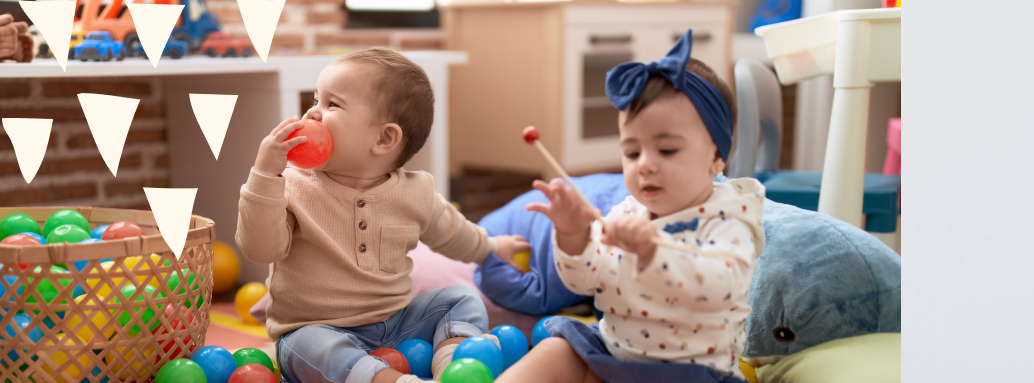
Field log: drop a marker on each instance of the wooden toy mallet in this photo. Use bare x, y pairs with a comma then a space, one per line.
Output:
531, 136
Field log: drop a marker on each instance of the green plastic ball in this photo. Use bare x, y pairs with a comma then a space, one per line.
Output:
252, 355
46, 288
148, 314
178, 288
65, 217
18, 223
467, 370
181, 371
67, 233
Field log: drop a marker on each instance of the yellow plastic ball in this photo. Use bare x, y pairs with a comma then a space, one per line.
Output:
58, 357
143, 272
247, 296
225, 268
522, 258
137, 364
93, 279
96, 316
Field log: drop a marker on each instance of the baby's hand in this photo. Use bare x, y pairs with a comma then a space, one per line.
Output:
632, 234
272, 154
571, 217
508, 245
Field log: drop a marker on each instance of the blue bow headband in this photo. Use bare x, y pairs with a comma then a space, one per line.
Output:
626, 81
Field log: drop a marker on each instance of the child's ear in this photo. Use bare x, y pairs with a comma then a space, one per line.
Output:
718, 165
389, 139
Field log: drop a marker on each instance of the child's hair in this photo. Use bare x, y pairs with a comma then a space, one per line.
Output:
659, 86
405, 96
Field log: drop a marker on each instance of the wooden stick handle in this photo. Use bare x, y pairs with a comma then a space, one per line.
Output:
563, 174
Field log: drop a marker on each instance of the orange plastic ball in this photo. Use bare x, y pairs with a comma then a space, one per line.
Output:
226, 267
247, 296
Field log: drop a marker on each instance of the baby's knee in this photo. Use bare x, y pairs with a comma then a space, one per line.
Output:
460, 291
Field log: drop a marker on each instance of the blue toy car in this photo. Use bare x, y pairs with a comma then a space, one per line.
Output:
100, 46
173, 48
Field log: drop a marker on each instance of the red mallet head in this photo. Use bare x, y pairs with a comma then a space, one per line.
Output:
396, 361
121, 229
316, 148
530, 134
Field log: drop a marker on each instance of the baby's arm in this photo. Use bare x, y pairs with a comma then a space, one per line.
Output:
452, 235
578, 271
703, 283
264, 225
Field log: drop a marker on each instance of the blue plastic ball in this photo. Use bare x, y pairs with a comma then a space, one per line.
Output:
38, 237
21, 320
79, 265
419, 354
98, 232
539, 332
515, 344
483, 350
217, 363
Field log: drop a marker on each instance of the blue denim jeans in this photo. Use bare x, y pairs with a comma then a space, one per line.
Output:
321, 353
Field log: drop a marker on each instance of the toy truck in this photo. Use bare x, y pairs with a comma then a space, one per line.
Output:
226, 45
100, 46
192, 27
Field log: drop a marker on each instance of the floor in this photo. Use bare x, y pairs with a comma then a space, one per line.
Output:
228, 331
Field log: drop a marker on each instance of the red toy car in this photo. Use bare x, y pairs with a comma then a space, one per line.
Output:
226, 45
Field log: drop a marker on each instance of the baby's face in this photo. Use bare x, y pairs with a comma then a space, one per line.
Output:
669, 158
344, 102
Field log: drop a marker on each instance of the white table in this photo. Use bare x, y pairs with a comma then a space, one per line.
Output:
267, 94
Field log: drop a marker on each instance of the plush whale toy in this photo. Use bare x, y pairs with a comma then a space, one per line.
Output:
818, 279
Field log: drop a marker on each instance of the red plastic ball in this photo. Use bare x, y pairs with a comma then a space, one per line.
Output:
396, 361
170, 345
252, 373
316, 148
21, 240
121, 229
530, 134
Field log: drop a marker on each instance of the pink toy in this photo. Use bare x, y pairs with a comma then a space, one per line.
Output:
892, 165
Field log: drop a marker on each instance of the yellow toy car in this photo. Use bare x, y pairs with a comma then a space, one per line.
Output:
77, 37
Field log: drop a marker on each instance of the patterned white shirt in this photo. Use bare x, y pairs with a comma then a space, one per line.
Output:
685, 306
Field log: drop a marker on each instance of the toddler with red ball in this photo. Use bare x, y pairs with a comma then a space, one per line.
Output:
336, 234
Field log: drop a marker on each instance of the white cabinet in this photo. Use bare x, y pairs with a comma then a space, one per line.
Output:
555, 57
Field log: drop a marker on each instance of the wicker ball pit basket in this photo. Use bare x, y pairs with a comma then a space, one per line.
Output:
62, 355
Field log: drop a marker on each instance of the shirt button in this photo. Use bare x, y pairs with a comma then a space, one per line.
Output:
362, 225
361, 203
362, 248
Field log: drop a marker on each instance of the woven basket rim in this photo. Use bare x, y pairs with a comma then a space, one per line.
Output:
202, 231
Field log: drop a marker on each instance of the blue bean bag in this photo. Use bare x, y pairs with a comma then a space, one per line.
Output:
818, 279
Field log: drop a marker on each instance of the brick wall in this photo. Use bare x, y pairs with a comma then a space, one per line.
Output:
73, 172
318, 25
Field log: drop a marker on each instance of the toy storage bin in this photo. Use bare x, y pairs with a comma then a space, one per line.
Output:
802, 48
81, 340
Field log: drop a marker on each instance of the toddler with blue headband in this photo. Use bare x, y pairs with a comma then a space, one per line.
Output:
668, 314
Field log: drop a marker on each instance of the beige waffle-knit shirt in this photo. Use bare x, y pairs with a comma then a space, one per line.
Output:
338, 255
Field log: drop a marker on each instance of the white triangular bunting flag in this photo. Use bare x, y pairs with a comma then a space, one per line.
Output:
213, 112
154, 24
109, 118
54, 20
29, 137
260, 19
172, 208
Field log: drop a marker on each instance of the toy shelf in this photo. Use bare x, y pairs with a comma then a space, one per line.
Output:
267, 94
